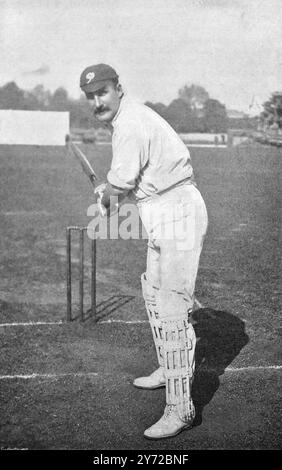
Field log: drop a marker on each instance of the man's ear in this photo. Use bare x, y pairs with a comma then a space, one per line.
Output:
119, 90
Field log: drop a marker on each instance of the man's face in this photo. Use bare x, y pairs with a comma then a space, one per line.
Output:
105, 102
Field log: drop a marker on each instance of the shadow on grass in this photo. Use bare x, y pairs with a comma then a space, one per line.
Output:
106, 307
220, 338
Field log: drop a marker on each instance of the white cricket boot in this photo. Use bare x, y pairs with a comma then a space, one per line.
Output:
169, 425
155, 380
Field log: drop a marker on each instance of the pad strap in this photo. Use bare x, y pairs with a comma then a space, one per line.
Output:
150, 294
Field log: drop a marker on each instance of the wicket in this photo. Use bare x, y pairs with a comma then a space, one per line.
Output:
81, 231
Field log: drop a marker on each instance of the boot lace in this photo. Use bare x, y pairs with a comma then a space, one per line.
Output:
168, 410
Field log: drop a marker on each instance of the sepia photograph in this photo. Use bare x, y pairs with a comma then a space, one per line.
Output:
140, 233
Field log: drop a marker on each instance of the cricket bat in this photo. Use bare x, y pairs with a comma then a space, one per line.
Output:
74, 150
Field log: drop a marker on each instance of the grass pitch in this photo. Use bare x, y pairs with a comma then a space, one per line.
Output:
69, 386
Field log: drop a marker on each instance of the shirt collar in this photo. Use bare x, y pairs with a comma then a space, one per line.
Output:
122, 104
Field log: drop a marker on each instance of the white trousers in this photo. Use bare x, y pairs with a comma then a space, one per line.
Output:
176, 223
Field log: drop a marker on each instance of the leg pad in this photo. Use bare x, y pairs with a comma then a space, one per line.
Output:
150, 294
179, 351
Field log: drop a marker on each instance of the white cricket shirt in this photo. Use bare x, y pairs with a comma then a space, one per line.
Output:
148, 155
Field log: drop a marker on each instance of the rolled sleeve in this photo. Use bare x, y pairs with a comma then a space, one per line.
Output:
127, 159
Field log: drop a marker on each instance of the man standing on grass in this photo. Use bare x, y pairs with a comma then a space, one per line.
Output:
151, 165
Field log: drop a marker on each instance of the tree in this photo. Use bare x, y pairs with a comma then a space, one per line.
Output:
272, 113
160, 108
11, 96
80, 115
42, 96
195, 96
30, 101
59, 101
179, 115
215, 116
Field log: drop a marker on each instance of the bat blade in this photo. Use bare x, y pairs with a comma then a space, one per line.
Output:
79, 155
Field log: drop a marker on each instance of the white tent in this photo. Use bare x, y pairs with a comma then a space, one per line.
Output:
33, 127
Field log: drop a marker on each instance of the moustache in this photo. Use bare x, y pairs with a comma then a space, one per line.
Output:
100, 110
